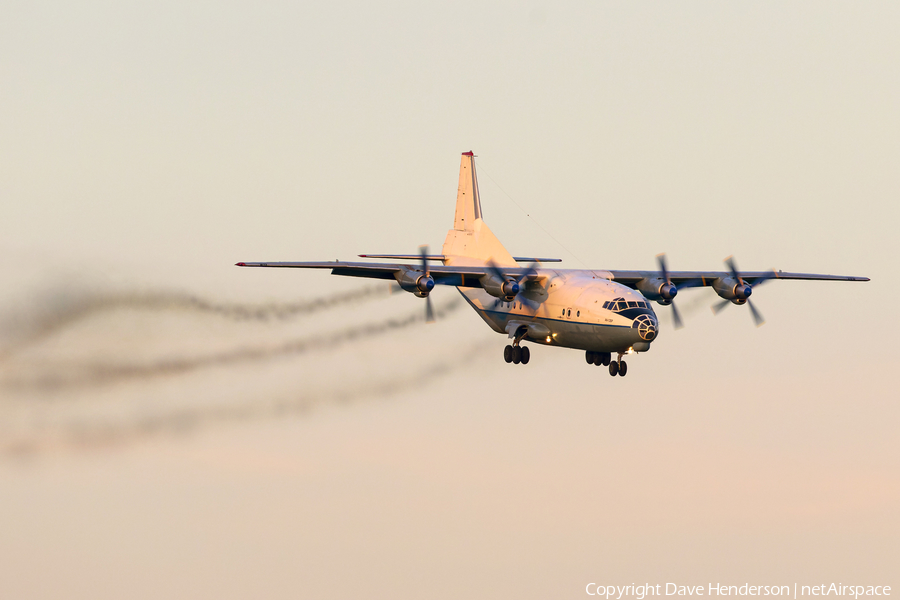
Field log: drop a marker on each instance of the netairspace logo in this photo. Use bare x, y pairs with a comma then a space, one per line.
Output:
639, 592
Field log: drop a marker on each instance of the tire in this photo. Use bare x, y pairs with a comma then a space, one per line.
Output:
590, 357
508, 354
623, 368
598, 358
516, 355
607, 357
525, 354
613, 368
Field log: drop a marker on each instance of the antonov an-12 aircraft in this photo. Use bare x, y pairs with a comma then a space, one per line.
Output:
604, 313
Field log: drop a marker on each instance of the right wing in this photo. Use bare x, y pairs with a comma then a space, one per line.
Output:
442, 274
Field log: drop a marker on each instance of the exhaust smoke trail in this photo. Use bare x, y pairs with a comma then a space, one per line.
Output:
66, 310
89, 434
86, 375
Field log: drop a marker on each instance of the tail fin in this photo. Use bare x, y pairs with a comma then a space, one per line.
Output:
468, 200
470, 242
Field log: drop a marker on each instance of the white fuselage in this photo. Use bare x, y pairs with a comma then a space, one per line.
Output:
580, 310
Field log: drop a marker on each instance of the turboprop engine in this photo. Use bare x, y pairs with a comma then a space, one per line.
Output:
416, 282
419, 282
734, 289
730, 288
661, 289
657, 288
505, 289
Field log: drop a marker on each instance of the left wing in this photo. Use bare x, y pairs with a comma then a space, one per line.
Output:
706, 278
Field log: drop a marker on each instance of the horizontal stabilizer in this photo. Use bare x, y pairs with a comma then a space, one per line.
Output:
442, 257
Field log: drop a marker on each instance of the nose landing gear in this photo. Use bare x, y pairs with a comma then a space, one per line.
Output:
619, 367
616, 367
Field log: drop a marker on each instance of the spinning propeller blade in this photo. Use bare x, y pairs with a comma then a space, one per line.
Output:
718, 306
676, 317
429, 309
758, 319
497, 272
663, 268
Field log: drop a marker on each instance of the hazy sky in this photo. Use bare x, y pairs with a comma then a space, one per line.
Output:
147, 147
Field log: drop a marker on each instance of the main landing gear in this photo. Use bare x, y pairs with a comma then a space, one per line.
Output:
517, 354
616, 367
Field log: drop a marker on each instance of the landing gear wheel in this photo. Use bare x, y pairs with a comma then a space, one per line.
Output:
613, 368
590, 357
508, 354
598, 358
525, 354
623, 368
516, 355
607, 357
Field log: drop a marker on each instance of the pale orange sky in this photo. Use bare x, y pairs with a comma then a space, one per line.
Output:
146, 148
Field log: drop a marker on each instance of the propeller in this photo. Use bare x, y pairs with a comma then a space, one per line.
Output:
515, 288
669, 291
742, 291
512, 286
428, 283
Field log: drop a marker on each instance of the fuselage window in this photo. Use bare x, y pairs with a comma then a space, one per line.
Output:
578, 314
570, 313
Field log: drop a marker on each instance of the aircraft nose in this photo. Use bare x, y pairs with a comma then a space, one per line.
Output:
647, 327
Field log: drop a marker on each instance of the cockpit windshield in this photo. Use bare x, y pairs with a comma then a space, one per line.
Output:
620, 304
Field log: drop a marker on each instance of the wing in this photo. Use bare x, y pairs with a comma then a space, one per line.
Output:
470, 276
442, 275
684, 279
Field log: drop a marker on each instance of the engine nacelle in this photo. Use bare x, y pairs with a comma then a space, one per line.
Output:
657, 289
729, 288
415, 282
505, 289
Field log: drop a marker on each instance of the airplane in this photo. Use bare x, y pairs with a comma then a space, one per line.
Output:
602, 312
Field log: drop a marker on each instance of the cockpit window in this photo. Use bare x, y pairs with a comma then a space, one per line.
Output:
620, 304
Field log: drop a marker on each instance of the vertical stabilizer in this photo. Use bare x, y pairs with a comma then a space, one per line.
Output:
468, 202
470, 242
